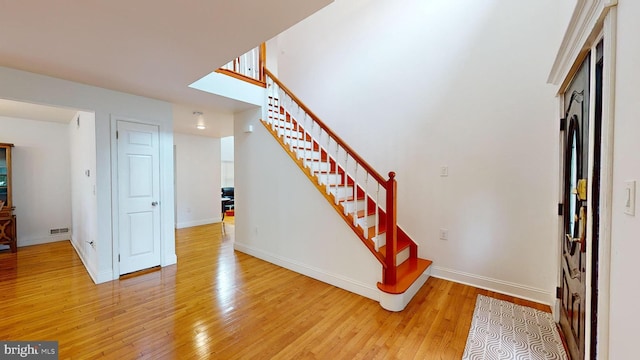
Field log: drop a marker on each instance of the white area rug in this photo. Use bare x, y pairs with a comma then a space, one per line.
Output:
503, 330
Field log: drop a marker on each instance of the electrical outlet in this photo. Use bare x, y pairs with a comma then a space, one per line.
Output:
444, 171
630, 197
444, 234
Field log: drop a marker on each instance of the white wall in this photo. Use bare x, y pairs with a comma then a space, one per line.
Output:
39, 89
282, 218
227, 159
197, 180
84, 207
41, 186
416, 85
625, 244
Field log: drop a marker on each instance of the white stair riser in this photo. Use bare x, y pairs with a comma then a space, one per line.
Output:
299, 143
381, 239
316, 166
329, 179
341, 192
290, 134
350, 206
311, 155
367, 221
284, 124
403, 255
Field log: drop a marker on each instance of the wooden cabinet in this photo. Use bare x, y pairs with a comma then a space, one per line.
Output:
8, 234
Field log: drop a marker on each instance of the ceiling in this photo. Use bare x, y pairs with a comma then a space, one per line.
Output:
152, 48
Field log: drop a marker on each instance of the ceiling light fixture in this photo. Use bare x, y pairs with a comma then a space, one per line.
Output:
200, 120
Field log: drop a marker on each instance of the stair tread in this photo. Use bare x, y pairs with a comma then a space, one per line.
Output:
402, 244
408, 273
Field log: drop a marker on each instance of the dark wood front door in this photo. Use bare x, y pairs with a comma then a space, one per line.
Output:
574, 239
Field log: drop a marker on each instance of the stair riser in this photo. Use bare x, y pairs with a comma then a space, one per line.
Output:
285, 125
367, 221
316, 166
381, 239
310, 155
299, 144
341, 192
403, 255
350, 206
329, 179
290, 134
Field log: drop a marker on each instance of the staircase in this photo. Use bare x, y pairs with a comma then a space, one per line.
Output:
363, 198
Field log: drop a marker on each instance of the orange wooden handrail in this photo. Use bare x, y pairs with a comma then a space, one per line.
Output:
342, 143
241, 77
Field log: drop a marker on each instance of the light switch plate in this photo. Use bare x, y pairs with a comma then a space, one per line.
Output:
630, 197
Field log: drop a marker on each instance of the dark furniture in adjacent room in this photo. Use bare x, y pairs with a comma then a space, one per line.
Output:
8, 234
227, 199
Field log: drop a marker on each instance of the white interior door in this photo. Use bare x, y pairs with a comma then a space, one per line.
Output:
138, 196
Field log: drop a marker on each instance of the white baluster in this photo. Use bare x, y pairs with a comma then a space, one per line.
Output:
377, 218
346, 175
290, 122
366, 205
275, 106
337, 174
355, 196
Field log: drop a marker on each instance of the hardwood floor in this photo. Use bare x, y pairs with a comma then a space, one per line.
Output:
220, 304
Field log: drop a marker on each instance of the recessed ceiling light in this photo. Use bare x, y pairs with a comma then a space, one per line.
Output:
200, 127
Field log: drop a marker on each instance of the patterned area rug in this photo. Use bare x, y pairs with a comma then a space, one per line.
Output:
503, 330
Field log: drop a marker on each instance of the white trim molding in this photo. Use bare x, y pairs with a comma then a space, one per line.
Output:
585, 23
500, 286
356, 287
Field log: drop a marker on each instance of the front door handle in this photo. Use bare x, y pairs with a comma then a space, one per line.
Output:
155, 203
573, 242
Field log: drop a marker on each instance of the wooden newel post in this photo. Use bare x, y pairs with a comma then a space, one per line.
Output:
391, 231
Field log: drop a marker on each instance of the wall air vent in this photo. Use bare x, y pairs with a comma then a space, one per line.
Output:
58, 231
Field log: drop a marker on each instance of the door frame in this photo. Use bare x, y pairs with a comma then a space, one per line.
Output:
167, 253
592, 21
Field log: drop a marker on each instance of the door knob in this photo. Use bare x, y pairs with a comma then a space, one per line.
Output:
154, 203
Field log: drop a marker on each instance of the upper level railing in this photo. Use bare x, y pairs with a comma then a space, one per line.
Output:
248, 67
347, 176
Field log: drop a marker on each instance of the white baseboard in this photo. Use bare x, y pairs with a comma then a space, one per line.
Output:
186, 224
42, 240
500, 286
333, 279
90, 271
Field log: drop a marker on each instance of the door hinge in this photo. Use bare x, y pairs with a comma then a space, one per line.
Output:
563, 124
117, 134
558, 292
118, 257
560, 209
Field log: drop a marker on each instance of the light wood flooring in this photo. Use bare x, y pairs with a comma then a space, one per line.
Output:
220, 304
